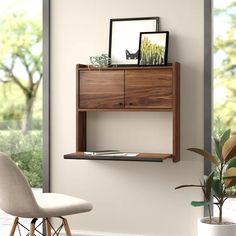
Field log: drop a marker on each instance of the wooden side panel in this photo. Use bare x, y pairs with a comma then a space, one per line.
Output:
149, 88
81, 118
81, 131
101, 89
176, 112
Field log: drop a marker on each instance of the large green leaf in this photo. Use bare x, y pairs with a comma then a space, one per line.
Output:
231, 163
224, 137
217, 148
200, 203
205, 154
216, 187
209, 182
220, 143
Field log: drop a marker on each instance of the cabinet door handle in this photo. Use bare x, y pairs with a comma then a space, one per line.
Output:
131, 104
121, 104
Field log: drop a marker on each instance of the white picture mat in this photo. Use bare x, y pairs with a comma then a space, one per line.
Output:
125, 35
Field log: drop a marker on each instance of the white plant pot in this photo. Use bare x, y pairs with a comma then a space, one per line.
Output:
205, 229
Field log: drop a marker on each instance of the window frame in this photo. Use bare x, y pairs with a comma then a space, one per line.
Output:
46, 95
208, 83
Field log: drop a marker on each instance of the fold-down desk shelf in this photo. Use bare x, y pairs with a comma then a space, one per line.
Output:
150, 157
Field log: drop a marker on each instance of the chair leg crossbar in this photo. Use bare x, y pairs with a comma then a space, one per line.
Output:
50, 230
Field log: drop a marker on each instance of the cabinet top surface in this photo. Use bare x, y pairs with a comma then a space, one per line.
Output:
88, 68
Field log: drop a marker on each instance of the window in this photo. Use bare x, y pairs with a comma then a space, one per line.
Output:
24, 103
224, 76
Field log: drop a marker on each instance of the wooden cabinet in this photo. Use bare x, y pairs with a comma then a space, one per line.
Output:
128, 89
146, 88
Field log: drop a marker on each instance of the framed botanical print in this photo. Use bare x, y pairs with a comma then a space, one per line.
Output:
153, 48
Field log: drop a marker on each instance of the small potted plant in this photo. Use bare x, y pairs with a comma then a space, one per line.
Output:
219, 185
100, 61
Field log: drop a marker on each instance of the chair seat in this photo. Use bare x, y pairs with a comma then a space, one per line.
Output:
55, 204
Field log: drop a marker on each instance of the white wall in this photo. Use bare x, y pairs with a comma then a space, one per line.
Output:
128, 197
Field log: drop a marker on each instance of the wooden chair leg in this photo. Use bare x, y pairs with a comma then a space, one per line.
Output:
32, 227
48, 227
66, 227
13, 229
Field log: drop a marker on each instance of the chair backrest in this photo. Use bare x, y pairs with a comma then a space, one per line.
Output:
16, 196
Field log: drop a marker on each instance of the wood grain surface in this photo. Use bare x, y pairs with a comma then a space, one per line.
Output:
148, 88
101, 89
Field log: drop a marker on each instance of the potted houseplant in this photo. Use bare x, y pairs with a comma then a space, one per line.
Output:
219, 185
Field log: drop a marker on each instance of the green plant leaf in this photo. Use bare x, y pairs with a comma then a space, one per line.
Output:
209, 182
220, 143
216, 186
231, 163
229, 148
200, 203
225, 137
217, 148
205, 154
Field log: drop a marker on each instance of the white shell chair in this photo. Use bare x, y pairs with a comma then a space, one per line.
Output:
17, 199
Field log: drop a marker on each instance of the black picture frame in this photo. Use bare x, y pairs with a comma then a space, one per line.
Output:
153, 48
124, 39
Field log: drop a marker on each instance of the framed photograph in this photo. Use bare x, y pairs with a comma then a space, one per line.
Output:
153, 48
124, 38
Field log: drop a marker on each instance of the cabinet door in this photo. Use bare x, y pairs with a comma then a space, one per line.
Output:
148, 88
101, 89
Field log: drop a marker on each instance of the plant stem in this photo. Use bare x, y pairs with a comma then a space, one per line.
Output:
220, 213
209, 212
221, 201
